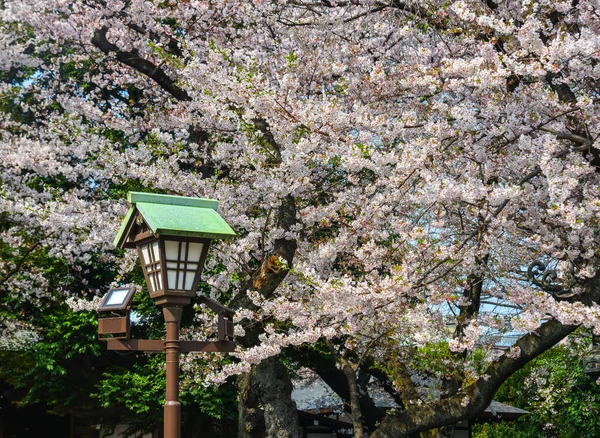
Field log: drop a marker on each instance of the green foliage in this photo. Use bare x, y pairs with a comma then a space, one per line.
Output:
165, 56
138, 393
219, 402
300, 132
140, 389
59, 369
562, 400
292, 59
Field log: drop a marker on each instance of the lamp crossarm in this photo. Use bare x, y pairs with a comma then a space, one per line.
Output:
158, 345
216, 307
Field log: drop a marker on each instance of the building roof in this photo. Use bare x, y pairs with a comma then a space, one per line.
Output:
497, 411
313, 395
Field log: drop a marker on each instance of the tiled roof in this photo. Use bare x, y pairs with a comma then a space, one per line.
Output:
312, 394
500, 411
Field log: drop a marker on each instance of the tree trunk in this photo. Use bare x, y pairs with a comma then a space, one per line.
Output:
350, 374
356, 413
266, 409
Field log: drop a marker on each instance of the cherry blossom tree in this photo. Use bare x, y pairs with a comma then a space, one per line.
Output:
392, 170
560, 398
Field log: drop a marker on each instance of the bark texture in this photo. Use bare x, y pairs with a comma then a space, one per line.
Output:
352, 382
266, 409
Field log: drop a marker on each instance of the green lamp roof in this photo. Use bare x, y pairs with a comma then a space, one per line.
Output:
175, 216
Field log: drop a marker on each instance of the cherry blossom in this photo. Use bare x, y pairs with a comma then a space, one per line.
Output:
396, 165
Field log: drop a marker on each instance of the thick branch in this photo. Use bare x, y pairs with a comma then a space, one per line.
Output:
139, 64
472, 293
274, 266
475, 398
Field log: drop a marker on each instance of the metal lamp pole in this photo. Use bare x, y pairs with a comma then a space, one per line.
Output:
172, 347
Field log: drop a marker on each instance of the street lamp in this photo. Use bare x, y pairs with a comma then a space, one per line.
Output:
114, 314
172, 235
591, 361
172, 265
118, 299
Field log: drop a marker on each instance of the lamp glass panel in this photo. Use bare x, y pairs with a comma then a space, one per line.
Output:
189, 280
195, 252
182, 263
156, 251
171, 250
145, 255
150, 254
171, 278
117, 297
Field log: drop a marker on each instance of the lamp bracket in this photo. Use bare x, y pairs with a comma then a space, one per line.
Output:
114, 327
216, 307
158, 345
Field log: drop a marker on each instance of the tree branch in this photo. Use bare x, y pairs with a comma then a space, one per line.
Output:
476, 397
20, 263
139, 64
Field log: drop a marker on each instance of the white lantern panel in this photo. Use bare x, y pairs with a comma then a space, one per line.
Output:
145, 255
189, 280
155, 251
152, 282
182, 263
150, 260
171, 250
195, 252
171, 278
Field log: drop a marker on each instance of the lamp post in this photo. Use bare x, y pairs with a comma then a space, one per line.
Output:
172, 235
591, 361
